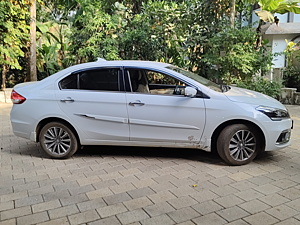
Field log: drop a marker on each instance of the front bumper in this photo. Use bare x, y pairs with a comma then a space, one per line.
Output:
278, 134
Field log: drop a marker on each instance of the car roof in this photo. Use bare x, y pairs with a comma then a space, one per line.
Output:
127, 63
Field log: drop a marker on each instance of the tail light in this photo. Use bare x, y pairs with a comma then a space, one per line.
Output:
16, 98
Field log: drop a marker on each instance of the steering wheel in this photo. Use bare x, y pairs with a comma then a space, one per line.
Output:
177, 90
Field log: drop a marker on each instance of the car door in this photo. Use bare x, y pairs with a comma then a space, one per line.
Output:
160, 112
94, 101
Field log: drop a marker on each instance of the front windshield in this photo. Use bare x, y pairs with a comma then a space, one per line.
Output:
197, 78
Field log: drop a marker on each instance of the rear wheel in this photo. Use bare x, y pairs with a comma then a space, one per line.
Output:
239, 144
58, 140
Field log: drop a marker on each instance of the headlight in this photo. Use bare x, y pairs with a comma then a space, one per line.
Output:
273, 113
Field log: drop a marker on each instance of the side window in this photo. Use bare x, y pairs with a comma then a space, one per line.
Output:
159, 78
147, 81
98, 79
102, 80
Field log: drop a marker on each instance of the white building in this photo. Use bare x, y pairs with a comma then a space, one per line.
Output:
288, 29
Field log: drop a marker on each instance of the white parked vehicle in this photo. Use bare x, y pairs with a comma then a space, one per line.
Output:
140, 103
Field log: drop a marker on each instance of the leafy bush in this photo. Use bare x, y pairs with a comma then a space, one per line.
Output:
262, 85
291, 77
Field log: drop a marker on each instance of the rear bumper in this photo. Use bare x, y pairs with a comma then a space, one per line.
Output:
23, 130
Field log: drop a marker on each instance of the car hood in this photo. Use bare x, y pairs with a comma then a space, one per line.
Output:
251, 97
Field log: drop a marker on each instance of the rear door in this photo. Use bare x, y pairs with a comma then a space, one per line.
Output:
94, 101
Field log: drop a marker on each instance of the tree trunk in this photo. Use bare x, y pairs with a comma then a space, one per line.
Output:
259, 34
232, 13
4, 72
137, 7
33, 73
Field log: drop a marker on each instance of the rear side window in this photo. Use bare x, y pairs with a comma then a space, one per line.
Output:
70, 82
98, 79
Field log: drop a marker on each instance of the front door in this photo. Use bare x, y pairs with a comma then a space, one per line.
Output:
158, 110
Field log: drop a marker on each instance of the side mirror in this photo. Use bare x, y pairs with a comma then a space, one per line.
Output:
190, 92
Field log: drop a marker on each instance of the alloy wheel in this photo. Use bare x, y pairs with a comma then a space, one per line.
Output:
242, 145
57, 140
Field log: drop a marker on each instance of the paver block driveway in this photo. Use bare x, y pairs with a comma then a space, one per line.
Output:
126, 185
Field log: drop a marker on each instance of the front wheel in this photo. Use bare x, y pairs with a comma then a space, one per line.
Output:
58, 140
239, 144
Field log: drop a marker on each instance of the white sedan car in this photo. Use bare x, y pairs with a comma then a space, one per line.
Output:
140, 103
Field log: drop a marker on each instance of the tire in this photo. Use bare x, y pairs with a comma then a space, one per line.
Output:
239, 144
58, 141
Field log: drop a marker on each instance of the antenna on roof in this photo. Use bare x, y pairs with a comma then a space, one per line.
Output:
100, 59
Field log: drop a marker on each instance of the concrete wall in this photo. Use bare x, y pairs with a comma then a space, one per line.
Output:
290, 96
5, 95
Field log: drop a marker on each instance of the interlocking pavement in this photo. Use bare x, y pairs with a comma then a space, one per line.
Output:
141, 186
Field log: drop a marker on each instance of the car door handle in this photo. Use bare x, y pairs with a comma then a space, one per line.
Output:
137, 102
68, 99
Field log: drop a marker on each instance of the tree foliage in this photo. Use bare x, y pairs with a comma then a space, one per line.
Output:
232, 55
194, 34
94, 33
13, 34
13, 31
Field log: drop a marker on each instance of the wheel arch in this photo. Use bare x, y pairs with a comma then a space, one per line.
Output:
45, 121
218, 130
